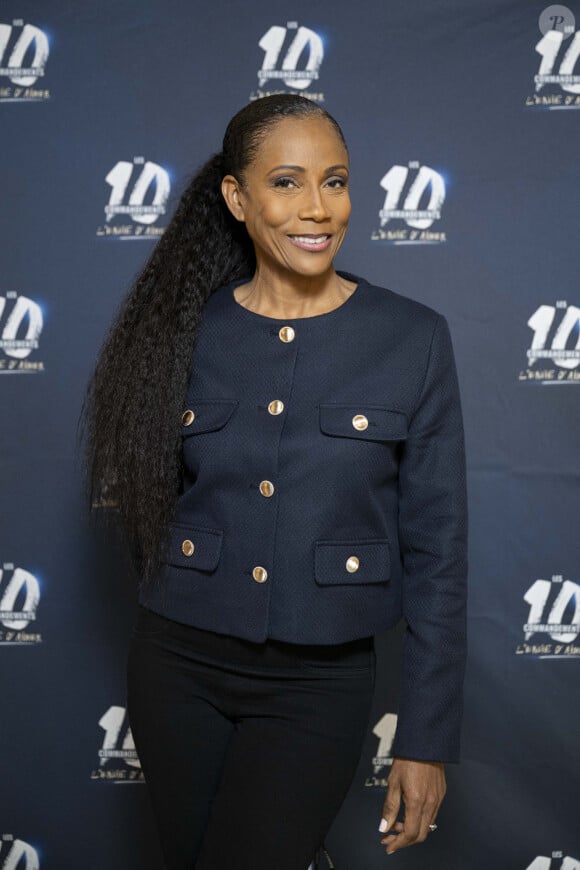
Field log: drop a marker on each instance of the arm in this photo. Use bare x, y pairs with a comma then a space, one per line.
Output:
433, 538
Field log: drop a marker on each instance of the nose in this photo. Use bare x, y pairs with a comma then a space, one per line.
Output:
313, 205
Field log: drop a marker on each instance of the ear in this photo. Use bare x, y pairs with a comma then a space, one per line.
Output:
232, 193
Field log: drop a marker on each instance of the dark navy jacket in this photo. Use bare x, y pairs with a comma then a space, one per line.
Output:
324, 492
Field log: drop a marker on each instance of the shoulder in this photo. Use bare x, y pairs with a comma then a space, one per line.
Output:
402, 311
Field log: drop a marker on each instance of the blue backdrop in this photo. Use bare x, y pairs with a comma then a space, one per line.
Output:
462, 118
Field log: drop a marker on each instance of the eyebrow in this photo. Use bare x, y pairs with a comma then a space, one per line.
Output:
301, 168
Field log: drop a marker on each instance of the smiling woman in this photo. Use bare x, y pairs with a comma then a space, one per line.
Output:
290, 469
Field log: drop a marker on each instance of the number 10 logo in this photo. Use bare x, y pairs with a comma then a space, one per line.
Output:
14, 68
544, 863
394, 182
537, 597
20, 855
548, 47
151, 174
24, 313
21, 585
541, 322
114, 723
272, 43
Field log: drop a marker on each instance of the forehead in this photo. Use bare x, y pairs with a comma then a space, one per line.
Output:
301, 142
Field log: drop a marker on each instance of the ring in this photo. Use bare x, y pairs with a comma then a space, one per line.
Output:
432, 827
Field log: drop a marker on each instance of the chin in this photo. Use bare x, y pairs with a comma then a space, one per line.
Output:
313, 263
311, 270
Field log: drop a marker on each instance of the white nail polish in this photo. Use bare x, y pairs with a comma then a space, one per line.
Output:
383, 826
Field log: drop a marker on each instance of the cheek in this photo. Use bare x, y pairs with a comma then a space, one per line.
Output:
272, 215
265, 218
343, 211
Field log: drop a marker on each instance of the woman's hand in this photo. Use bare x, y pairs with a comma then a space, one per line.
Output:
421, 786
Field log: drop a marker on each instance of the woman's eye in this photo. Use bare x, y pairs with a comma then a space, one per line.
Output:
284, 182
336, 182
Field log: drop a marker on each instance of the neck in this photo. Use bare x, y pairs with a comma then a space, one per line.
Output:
291, 295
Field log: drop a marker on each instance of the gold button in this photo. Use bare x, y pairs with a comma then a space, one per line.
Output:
187, 547
352, 564
276, 407
259, 574
188, 417
286, 333
360, 421
266, 487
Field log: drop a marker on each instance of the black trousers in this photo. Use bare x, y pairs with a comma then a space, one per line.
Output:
248, 749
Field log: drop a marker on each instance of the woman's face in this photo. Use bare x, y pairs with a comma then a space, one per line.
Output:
294, 199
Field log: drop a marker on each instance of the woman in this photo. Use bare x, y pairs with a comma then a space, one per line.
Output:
284, 443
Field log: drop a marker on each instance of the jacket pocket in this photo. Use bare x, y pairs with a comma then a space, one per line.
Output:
206, 415
364, 421
356, 561
194, 547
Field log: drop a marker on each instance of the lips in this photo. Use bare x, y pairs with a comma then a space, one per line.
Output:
311, 242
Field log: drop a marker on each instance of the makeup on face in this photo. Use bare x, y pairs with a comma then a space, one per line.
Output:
295, 198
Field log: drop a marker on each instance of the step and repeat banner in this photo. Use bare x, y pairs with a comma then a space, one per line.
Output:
463, 121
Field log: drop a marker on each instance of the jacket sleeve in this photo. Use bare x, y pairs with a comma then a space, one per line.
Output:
433, 540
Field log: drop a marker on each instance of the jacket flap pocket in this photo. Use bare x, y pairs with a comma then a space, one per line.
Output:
194, 547
370, 422
356, 561
206, 415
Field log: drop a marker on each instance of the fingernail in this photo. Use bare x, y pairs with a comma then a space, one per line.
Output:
383, 826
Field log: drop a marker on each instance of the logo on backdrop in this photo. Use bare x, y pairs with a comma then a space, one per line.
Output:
15, 853
19, 599
552, 622
557, 80
24, 52
21, 322
384, 730
118, 761
411, 212
558, 861
554, 352
139, 193
293, 56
